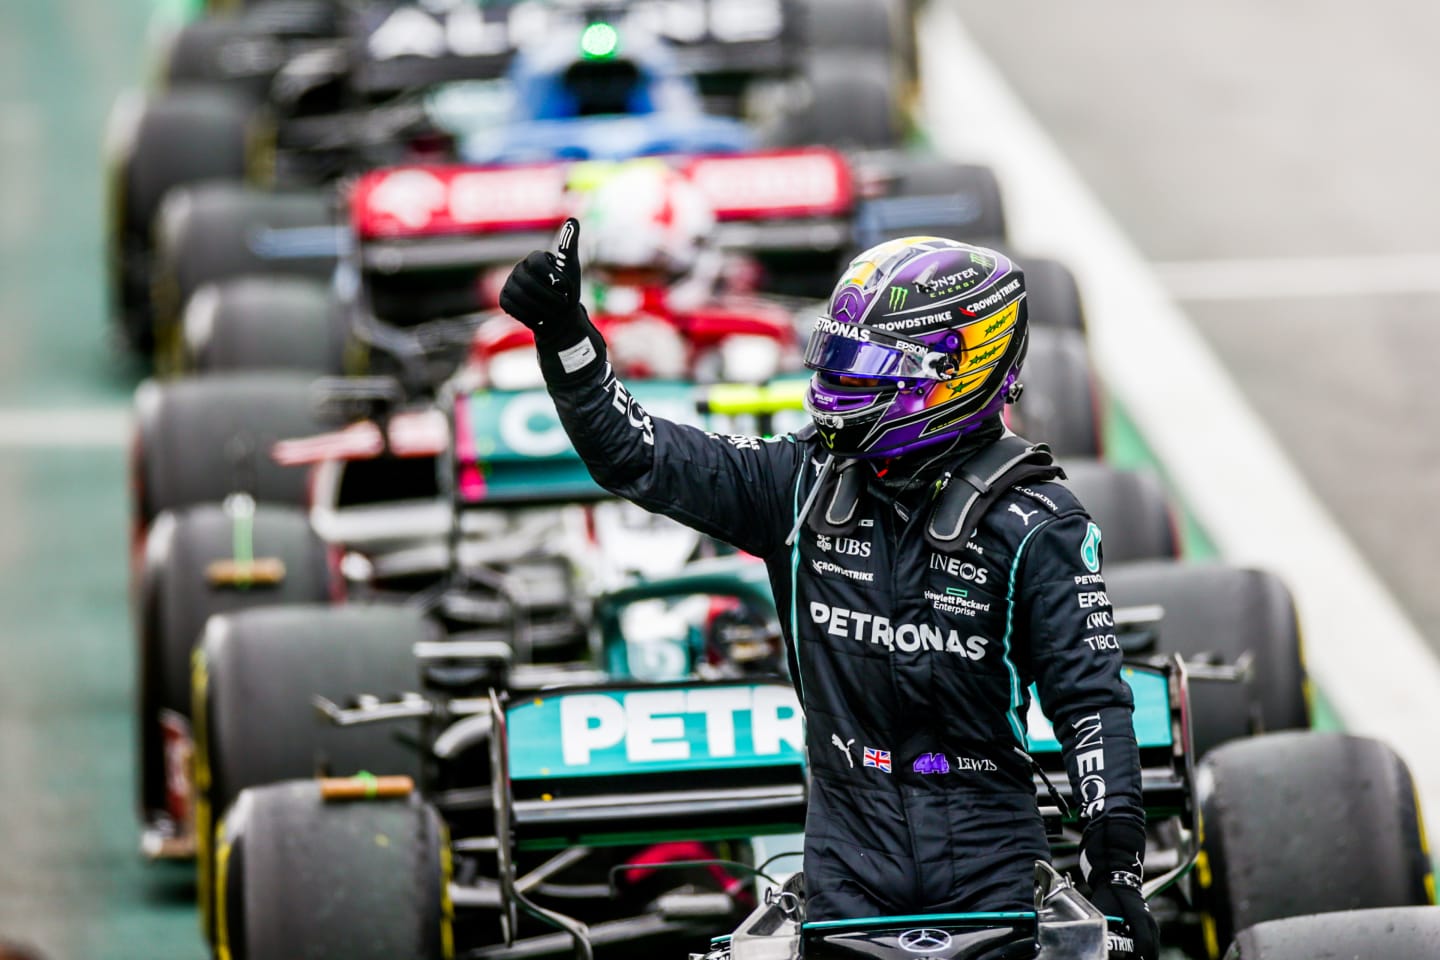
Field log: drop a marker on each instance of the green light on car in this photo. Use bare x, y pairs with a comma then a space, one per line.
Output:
599, 41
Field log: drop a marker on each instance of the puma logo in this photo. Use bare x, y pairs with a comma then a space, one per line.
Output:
844, 747
1023, 515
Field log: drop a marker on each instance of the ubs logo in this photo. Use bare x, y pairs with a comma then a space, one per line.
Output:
843, 546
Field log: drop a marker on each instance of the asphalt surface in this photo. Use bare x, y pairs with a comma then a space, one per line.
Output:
1276, 132
1226, 131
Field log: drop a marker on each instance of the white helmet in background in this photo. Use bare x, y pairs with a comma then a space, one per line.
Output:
644, 224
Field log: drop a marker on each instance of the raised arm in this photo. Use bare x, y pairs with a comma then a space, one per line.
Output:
737, 489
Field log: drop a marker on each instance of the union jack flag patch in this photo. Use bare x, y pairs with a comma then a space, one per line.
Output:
879, 759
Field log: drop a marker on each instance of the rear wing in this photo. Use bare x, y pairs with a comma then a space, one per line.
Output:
397, 49
428, 217
511, 447
642, 764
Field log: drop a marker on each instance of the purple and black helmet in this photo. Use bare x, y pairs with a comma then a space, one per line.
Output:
923, 340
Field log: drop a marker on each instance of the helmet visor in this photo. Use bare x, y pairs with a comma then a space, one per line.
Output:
852, 350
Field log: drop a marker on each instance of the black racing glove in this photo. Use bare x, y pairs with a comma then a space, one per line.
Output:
543, 292
1112, 857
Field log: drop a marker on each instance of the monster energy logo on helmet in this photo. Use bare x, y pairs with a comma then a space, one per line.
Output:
898, 295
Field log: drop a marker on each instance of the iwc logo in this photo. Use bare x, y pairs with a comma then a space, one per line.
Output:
924, 940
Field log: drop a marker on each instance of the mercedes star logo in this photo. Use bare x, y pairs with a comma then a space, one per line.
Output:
924, 940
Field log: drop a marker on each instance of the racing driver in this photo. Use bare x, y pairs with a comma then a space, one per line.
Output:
926, 569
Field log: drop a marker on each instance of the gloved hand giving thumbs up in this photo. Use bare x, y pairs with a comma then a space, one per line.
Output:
543, 292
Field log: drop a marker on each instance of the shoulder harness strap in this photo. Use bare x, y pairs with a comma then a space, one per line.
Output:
845, 487
973, 487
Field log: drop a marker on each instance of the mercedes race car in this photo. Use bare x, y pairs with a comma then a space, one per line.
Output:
559, 800
582, 776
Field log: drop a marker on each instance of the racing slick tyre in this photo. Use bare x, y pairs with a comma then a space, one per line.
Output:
362, 879
181, 584
1131, 509
200, 439
1052, 294
1396, 933
152, 146
1061, 402
212, 232
1357, 845
934, 197
220, 51
263, 323
853, 101
256, 675
1218, 614
243, 50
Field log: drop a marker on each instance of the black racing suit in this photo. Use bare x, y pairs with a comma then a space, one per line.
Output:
913, 664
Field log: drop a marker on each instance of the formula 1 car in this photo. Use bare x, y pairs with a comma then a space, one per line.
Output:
417, 239
577, 770
298, 92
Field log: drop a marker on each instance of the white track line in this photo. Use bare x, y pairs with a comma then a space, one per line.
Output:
1371, 661
80, 428
1301, 278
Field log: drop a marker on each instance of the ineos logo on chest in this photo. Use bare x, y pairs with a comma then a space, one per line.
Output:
961, 569
843, 546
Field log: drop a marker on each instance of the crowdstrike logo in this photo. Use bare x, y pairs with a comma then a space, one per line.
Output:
825, 566
995, 298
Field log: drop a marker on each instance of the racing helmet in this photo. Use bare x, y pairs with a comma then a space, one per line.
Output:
644, 221
922, 341
741, 642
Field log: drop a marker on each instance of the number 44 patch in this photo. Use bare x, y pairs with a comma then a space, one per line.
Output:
1090, 549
